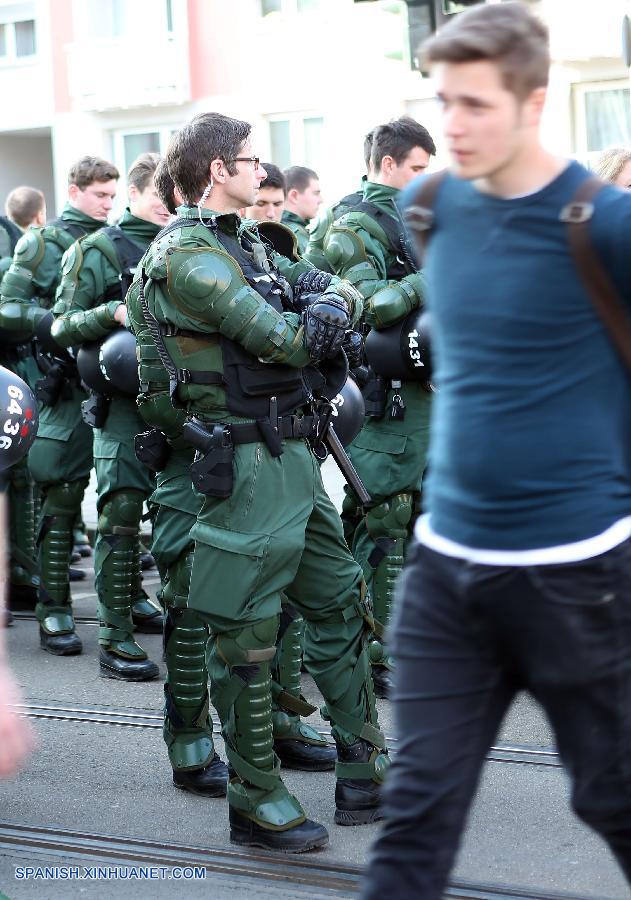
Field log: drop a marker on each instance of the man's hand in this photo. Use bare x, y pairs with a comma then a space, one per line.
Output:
120, 315
308, 286
325, 323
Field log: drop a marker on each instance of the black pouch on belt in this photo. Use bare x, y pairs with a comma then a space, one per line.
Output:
212, 472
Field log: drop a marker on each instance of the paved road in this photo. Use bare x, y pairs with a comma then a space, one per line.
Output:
114, 780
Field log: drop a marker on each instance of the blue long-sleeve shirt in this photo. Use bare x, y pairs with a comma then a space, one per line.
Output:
531, 426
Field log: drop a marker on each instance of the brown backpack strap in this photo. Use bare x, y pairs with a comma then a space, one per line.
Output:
419, 216
596, 279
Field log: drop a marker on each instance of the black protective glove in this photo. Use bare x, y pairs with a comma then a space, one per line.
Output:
325, 324
353, 346
308, 286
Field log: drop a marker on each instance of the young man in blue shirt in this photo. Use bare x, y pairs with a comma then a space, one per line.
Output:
520, 578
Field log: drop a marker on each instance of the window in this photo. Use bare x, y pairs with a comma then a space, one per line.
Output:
296, 140
280, 143
25, 38
289, 6
135, 144
608, 118
602, 112
17, 40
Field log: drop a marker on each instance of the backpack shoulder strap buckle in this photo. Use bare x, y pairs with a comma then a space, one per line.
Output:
576, 212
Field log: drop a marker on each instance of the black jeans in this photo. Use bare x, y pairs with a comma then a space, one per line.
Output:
466, 638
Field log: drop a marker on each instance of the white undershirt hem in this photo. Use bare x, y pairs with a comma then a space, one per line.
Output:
563, 553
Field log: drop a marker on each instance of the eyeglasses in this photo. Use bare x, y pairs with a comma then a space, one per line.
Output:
253, 159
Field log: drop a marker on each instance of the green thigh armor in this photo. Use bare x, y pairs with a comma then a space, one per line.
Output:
60, 505
62, 451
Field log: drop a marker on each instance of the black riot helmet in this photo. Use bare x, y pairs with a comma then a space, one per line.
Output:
402, 351
19, 418
109, 366
348, 412
46, 340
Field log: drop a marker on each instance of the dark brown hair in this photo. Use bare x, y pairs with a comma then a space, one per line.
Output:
23, 205
206, 137
164, 186
507, 34
298, 177
274, 178
142, 170
397, 138
89, 169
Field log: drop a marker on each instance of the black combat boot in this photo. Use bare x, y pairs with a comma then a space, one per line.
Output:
211, 781
357, 800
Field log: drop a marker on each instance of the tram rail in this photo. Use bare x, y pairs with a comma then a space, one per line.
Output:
280, 869
129, 718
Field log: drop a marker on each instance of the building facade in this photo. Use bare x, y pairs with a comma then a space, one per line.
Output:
117, 77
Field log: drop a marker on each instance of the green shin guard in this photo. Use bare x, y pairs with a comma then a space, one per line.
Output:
54, 610
388, 526
23, 571
297, 744
188, 731
239, 669
116, 567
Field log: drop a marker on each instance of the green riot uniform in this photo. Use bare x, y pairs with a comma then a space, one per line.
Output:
320, 228
299, 228
16, 482
91, 289
390, 451
175, 506
216, 292
61, 457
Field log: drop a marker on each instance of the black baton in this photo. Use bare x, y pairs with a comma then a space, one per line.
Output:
345, 466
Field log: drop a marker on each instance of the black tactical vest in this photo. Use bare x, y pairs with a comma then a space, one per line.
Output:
128, 254
74, 230
249, 383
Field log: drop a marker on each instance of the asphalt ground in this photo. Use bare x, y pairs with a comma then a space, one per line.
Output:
109, 779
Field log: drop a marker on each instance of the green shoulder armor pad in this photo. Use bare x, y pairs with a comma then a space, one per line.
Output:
30, 249
101, 242
201, 279
355, 220
344, 248
56, 235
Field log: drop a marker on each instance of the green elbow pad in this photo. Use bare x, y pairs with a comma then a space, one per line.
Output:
20, 319
390, 304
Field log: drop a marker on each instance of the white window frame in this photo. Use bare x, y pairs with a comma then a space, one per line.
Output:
296, 121
9, 17
579, 90
118, 141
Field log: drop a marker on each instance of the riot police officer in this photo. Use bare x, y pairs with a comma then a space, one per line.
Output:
96, 272
61, 457
239, 362
367, 245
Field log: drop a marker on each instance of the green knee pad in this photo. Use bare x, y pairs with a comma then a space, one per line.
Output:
59, 507
240, 682
116, 566
288, 704
187, 725
388, 526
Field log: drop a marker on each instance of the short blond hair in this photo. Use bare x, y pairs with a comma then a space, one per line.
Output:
611, 163
507, 34
23, 204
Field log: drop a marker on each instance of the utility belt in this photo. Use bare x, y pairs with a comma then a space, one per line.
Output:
212, 470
